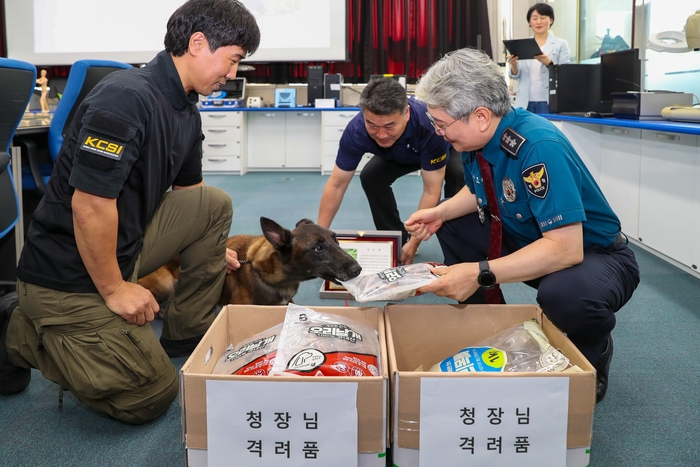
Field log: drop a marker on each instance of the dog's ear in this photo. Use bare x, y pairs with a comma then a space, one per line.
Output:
304, 221
280, 237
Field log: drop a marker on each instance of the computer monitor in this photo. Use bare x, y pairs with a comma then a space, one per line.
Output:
400, 78
233, 89
619, 72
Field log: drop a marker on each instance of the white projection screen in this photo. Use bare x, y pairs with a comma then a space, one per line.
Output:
59, 32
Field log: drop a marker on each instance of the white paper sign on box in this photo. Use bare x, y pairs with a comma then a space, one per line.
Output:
261, 424
494, 421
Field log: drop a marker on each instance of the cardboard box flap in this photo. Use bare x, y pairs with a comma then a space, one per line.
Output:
422, 335
238, 322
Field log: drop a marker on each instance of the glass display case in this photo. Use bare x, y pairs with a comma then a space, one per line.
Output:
604, 26
655, 27
668, 62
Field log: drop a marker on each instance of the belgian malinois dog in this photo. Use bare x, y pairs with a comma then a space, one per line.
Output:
273, 265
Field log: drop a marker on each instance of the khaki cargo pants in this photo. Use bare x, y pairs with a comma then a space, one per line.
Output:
114, 368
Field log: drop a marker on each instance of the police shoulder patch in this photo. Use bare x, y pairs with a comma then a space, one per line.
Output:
536, 180
511, 142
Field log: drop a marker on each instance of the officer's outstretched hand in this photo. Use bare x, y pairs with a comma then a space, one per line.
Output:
458, 282
133, 303
409, 250
424, 223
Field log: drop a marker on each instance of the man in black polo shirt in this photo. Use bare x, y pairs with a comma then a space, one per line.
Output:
397, 131
108, 218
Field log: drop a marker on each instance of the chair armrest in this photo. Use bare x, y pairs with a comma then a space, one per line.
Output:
29, 147
4, 161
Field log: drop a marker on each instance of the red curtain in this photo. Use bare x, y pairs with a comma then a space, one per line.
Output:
395, 36
384, 36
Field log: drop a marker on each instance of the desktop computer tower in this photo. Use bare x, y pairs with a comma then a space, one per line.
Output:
332, 83
575, 88
315, 80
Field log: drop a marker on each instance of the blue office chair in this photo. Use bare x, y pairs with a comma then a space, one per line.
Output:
17, 81
83, 76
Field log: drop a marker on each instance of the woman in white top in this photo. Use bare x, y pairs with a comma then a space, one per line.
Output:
533, 75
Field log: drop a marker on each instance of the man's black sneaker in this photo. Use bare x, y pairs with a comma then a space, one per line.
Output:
13, 379
181, 348
602, 368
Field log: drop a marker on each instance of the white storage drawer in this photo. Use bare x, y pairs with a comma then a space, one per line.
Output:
328, 164
330, 148
221, 164
221, 119
224, 133
339, 117
221, 148
332, 133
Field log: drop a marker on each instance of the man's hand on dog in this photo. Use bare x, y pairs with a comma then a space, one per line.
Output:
133, 303
231, 261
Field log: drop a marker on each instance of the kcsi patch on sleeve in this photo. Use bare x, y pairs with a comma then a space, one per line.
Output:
437, 160
511, 142
102, 147
536, 180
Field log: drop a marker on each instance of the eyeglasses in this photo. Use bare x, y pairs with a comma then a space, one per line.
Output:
439, 129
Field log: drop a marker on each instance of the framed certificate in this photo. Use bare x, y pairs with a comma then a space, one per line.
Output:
375, 250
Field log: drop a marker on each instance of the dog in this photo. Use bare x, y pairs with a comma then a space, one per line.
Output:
273, 265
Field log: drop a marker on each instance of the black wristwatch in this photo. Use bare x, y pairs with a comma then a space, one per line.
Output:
486, 278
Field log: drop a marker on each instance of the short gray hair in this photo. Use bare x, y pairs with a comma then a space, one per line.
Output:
384, 96
462, 81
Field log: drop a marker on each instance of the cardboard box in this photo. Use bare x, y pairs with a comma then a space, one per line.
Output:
379, 250
422, 335
238, 322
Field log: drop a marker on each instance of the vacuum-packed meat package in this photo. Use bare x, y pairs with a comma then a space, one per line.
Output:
520, 348
322, 344
253, 356
393, 283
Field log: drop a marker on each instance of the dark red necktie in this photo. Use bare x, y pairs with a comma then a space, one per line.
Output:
493, 296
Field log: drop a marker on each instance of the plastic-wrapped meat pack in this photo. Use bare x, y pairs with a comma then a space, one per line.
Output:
391, 284
253, 356
520, 348
323, 344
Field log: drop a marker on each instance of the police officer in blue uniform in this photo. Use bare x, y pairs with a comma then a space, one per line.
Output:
397, 131
559, 233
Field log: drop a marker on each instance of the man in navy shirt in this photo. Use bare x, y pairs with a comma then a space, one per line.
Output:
396, 130
559, 233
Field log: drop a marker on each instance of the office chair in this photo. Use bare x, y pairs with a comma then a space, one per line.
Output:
17, 80
83, 76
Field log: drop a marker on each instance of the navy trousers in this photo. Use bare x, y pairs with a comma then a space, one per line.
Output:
581, 300
378, 175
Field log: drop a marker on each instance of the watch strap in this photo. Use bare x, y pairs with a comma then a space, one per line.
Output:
484, 266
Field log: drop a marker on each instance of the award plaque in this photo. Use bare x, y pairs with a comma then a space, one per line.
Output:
375, 250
